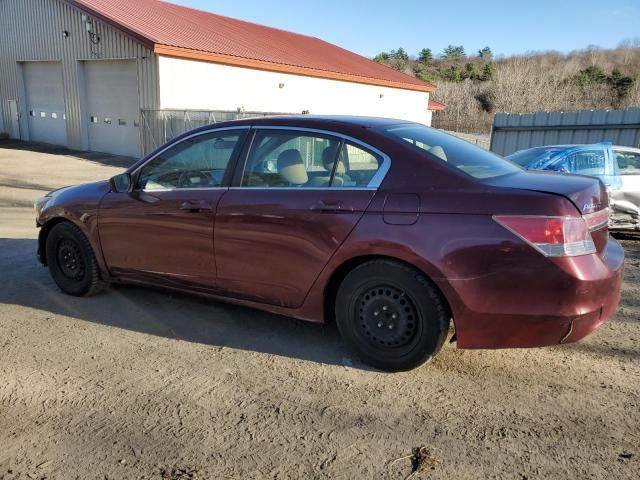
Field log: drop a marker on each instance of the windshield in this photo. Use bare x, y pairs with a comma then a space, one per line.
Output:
455, 152
534, 157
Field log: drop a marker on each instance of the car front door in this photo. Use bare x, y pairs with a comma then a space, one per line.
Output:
297, 196
162, 232
585, 161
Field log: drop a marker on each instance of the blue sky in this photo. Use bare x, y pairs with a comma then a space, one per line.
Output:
507, 26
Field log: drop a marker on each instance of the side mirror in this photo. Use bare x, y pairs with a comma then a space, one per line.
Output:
121, 183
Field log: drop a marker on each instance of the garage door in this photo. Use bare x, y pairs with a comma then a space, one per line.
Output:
45, 102
113, 106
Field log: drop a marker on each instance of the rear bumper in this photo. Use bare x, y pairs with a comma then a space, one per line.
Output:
574, 298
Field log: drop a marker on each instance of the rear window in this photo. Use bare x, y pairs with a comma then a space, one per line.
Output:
457, 153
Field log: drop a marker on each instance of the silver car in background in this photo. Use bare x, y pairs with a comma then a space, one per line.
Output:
618, 167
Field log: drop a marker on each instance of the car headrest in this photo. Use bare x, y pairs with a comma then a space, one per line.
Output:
291, 167
329, 155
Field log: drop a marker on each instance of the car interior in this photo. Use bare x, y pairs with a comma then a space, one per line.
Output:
198, 163
628, 162
294, 160
588, 162
276, 159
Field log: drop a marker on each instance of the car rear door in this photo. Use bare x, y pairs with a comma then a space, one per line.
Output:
162, 232
289, 210
628, 162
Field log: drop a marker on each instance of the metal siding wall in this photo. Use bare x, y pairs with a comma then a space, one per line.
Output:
32, 31
513, 132
160, 126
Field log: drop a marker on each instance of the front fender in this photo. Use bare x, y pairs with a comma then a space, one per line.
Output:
78, 205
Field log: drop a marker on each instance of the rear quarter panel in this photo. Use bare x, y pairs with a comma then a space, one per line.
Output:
487, 274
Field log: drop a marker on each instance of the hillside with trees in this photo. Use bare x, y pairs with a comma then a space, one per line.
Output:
476, 86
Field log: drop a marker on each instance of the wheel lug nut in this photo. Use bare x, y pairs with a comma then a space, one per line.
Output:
394, 316
380, 325
390, 327
376, 313
385, 308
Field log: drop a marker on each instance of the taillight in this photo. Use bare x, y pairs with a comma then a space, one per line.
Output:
551, 236
596, 221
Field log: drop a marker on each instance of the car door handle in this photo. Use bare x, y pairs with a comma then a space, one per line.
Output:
331, 206
196, 207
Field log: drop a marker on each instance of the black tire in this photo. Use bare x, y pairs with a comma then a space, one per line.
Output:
72, 262
391, 315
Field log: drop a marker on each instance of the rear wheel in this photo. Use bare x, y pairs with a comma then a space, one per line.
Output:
71, 261
391, 315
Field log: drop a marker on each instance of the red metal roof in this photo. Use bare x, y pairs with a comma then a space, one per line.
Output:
183, 32
436, 106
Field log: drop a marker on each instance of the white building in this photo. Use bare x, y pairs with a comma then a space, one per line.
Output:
81, 73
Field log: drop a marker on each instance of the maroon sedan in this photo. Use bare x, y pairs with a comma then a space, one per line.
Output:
391, 228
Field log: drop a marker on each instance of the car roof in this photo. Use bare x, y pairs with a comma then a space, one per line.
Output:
572, 145
331, 123
627, 149
568, 146
312, 121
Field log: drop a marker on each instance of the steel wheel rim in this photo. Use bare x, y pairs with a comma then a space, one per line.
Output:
70, 260
387, 318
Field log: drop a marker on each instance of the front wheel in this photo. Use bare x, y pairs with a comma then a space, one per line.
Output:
391, 315
71, 261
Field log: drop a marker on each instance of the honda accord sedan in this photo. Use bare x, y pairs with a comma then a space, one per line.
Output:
390, 228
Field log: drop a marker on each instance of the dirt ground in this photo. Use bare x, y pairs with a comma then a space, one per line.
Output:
136, 383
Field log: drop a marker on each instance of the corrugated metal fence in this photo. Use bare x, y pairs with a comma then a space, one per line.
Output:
160, 126
513, 132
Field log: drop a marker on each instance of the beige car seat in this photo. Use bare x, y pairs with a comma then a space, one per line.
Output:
291, 168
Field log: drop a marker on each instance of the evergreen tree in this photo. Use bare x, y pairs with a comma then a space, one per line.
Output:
454, 52
591, 75
382, 57
485, 53
488, 72
621, 83
421, 71
453, 73
472, 72
425, 56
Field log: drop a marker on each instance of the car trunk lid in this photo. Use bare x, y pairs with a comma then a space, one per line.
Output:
588, 194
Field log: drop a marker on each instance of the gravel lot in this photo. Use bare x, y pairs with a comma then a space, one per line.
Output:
136, 383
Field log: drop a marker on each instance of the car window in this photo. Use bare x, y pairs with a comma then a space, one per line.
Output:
628, 162
584, 162
199, 162
356, 167
534, 157
454, 152
285, 159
